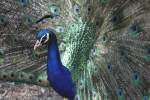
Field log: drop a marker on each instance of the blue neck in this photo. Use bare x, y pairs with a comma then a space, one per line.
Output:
54, 61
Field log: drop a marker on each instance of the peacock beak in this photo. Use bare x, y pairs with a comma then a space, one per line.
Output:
37, 44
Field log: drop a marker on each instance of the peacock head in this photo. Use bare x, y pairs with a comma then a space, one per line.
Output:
42, 38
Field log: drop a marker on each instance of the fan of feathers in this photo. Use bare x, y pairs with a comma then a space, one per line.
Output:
104, 43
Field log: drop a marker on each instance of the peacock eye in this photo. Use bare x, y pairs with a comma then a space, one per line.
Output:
136, 76
115, 19
60, 29
24, 2
76, 9
28, 20
145, 98
55, 10
12, 75
3, 20
39, 80
120, 92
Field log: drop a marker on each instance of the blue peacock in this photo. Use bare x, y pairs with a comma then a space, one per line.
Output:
102, 50
58, 75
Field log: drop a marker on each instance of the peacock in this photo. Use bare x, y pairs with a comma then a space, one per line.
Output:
58, 75
104, 44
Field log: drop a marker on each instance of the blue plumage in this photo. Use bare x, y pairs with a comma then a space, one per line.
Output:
58, 75
41, 33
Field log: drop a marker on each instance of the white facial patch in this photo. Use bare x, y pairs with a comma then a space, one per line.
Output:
47, 38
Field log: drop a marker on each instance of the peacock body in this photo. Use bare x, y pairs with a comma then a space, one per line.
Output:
58, 75
105, 44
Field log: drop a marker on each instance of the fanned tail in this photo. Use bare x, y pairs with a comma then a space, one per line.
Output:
104, 43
